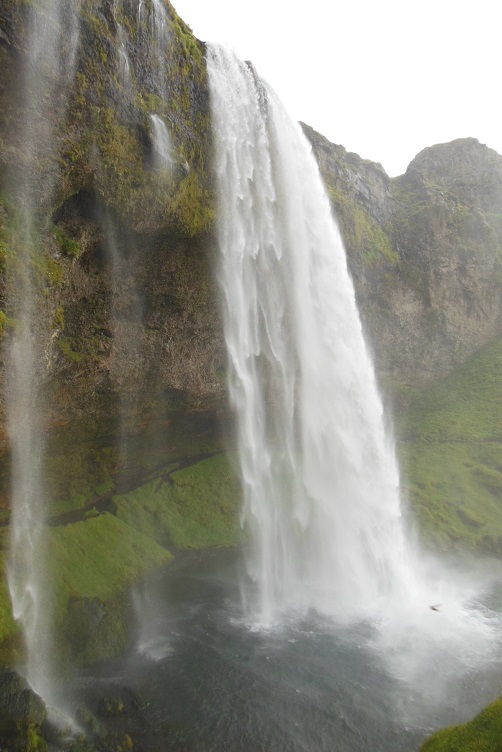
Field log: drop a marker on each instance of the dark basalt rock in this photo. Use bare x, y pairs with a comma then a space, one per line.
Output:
22, 713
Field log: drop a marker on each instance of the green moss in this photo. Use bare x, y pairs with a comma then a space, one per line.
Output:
26, 250
7, 623
23, 736
3, 254
10, 633
467, 406
194, 508
92, 565
482, 734
5, 322
361, 233
98, 558
67, 245
58, 321
68, 346
191, 207
451, 452
76, 345
34, 739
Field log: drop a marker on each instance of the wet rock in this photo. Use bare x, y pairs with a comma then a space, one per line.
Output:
22, 713
18, 702
97, 738
110, 706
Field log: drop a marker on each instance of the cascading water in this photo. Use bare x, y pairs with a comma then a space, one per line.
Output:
124, 66
321, 493
160, 35
321, 486
164, 156
52, 38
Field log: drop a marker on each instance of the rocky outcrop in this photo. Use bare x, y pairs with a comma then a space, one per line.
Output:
424, 251
22, 715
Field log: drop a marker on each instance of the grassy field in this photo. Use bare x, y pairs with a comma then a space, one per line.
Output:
450, 445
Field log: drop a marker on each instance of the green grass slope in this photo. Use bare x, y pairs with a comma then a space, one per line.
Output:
94, 559
482, 734
195, 507
99, 557
451, 456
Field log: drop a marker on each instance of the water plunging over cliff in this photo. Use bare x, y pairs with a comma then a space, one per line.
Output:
52, 37
320, 481
321, 494
164, 155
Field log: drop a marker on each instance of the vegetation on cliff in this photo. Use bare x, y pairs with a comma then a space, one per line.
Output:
126, 318
425, 253
482, 734
451, 439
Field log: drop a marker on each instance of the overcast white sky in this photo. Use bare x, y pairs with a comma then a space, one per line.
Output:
384, 79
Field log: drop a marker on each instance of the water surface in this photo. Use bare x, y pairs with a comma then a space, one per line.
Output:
200, 679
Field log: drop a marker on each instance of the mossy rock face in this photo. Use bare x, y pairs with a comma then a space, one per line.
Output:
482, 734
108, 222
104, 139
125, 316
22, 713
96, 630
18, 701
112, 114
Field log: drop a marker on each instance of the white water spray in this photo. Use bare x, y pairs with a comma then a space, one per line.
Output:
124, 66
321, 486
161, 37
52, 38
319, 473
164, 156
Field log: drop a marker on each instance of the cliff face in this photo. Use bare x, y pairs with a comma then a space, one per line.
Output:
128, 297
122, 223
106, 208
129, 357
125, 289
425, 253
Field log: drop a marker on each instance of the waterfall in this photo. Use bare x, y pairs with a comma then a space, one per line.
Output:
160, 35
322, 512
52, 38
319, 474
124, 67
164, 156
